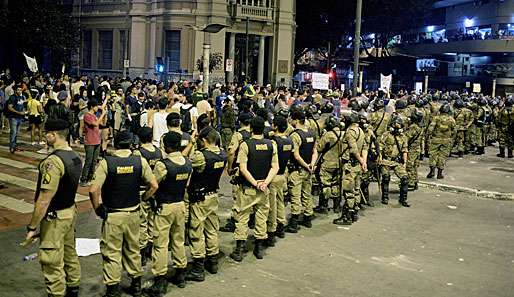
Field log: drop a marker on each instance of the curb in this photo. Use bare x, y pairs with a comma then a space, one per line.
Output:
464, 190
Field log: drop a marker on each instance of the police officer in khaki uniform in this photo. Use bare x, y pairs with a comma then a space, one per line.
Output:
379, 119
242, 134
151, 154
55, 213
173, 175
208, 165
117, 181
277, 213
186, 142
354, 159
258, 163
302, 167
440, 130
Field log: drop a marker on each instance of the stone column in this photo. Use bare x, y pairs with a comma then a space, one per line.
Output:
260, 65
231, 55
494, 87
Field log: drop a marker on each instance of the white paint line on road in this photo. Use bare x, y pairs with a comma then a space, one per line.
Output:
17, 164
25, 183
15, 204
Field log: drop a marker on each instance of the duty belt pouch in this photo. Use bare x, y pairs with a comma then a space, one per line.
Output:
51, 216
196, 195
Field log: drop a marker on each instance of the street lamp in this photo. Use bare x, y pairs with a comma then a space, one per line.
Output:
211, 28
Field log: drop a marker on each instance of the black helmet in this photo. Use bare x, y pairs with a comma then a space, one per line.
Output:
331, 122
420, 103
283, 112
445, 108
364, 103
352, 117
397, 122
311, 110
482, 101
354, 105
379, 103
458, 103
400, 104
412, 100
327, 107
416, 116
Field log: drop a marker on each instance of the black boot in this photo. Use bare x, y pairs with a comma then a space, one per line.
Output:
135, 287
479, 151
159, 287
440, 173
143, 257
460, 154
344, 219
280, 233
230, 226
237, 254
421, 157
270, 241
337, 204
258, 250
179, 279
322, 205
113, 291
385, 189
502, 153
197, 271
307, 221
292, 227
72, 291
431, 174
354, 215
509, 155
365, 193
404, 185
211, 264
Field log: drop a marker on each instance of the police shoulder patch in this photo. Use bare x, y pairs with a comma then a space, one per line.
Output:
47, 178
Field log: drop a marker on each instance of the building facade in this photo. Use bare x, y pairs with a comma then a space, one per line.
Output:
138, 33
465, 42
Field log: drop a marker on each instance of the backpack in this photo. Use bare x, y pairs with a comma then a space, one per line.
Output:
187, 124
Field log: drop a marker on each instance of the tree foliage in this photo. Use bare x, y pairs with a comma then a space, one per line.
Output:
215, 62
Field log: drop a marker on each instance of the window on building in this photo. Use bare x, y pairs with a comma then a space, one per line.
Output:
105, 49
173, 50
123, 47
87, 43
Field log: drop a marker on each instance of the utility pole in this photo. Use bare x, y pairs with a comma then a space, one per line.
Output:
356, 46
247, 45
126, 45
80, 39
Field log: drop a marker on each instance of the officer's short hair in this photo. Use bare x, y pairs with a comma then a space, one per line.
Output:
173, 120
299, 115
209, 134
281, 123
163, 103
145, 134
257, 125
123, 140
172, 141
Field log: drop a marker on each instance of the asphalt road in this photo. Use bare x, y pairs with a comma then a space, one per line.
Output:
429, 249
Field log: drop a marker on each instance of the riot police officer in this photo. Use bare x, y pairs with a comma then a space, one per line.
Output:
258, 165
55, 213
117, 181
172, 174
440, 130
414, 135
208, 165
394, 149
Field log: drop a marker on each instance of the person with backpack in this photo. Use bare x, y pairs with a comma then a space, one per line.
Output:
188, 115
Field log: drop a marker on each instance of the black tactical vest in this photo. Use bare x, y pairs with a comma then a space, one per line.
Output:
307, 147
173, 187
69, 182
267, 132
121, 187
260, 154
208, 180
284, 151
151, 157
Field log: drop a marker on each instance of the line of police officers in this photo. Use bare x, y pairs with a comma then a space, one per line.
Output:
150, 199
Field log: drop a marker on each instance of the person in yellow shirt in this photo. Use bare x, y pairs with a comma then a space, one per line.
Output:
35, 111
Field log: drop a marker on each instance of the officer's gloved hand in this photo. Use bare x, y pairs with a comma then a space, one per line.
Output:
101, 211
154, 206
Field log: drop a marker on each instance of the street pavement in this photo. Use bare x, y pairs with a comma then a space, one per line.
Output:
446, 244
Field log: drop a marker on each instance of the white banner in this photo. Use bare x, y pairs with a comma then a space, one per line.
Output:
386, 82
476, 88
31, 63
229, 65
419, 87
342, 87
320, 81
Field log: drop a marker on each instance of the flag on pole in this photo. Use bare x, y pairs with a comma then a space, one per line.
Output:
31, 63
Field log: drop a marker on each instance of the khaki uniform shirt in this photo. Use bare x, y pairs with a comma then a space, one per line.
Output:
354, 142
237, 138
160, 170
198, 159
175, 129
330, 140
101, 172
379, 120
392, 149
52, 169
149, 147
